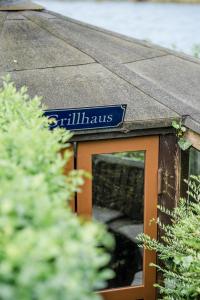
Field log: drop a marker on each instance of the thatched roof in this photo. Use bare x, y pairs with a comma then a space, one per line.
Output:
73, 64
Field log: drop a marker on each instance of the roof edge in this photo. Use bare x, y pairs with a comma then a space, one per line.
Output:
192, 124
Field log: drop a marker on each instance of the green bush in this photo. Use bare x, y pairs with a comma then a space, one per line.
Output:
179, 252
46, 252
196, 50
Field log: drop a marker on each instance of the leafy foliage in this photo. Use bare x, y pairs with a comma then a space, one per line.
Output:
196, 50
46, 252
183, 143
180, 250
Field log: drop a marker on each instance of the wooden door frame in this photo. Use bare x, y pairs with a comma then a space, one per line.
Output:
150, 145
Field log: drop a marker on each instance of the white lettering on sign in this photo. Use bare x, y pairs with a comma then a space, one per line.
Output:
79, 118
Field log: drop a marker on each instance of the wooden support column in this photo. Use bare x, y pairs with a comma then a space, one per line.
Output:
169, 178
170, 173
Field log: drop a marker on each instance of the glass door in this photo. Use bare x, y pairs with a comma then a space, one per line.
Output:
123, 196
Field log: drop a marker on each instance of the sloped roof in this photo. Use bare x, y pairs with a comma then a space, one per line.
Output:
73, 64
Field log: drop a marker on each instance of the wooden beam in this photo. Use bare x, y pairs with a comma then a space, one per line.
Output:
194, 138
169, 177
169, 166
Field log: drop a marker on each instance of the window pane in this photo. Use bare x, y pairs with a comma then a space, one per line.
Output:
118, 202
194, 162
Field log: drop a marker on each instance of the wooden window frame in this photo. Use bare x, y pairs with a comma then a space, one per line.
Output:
150, 145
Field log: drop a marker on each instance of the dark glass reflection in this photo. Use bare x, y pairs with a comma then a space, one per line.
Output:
194, 165
118, 202
194, 168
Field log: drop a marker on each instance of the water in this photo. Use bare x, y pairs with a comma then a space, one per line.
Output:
174, 26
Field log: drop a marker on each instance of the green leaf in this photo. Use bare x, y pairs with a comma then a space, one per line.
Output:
179, 251
184, 144
183, 129
176, 125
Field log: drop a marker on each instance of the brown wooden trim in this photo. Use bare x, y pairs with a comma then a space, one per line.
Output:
92, 135
84, 202
194, 138
169, 163
124, 294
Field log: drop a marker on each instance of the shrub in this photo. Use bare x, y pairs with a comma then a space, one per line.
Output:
46, 252
179, 252
196, 50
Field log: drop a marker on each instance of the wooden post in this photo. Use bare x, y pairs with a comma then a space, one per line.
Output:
169, 177
169, 167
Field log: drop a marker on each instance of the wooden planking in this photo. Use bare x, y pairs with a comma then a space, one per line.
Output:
169, 169
169, 164
194, 138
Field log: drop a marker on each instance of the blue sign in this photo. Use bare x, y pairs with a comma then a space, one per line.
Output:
87, 118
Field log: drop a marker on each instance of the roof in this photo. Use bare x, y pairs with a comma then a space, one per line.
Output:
73, 64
